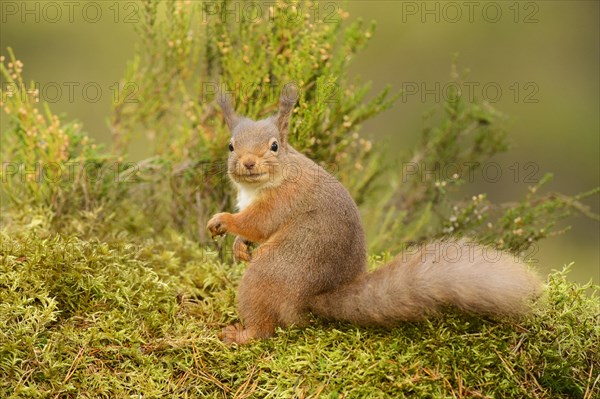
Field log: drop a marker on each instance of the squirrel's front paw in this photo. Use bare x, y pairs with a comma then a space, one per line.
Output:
241, 250
217, 225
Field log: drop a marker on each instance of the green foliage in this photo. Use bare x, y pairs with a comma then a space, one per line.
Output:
188, 51
194, 51
82, 318
420, 206
47, 162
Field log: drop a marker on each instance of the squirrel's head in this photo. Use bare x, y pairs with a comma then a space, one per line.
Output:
258, 149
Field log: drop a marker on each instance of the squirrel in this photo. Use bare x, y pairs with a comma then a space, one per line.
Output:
311, 255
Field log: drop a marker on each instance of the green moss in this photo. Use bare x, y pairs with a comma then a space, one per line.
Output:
87, 319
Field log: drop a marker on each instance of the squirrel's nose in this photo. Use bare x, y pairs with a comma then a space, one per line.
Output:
249, 164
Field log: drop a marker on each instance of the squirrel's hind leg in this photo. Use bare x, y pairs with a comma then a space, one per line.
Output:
256, 304
264, 305
236, 333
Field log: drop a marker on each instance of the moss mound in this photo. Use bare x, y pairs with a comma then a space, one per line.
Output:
89, 319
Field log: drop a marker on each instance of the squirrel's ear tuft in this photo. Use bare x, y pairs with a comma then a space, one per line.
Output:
231, 119
289, 96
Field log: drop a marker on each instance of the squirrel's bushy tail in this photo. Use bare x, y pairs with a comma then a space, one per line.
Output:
414, 285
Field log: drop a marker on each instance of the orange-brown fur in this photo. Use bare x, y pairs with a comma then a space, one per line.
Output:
312, 255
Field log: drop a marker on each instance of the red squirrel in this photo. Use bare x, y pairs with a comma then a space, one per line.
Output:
311, 255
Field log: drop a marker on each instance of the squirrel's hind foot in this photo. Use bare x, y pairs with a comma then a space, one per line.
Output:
237, 334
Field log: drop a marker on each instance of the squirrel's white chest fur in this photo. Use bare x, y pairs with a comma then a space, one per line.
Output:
246, 196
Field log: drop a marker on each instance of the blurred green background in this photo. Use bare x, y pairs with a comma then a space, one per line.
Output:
538, 62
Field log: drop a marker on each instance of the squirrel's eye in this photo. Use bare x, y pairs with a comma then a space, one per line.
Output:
274, 146
230, 147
